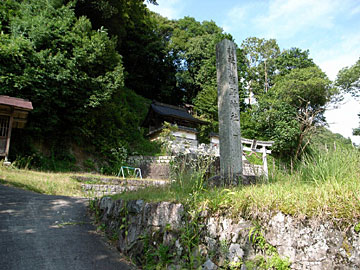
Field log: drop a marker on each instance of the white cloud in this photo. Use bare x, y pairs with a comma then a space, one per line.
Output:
286, 18
332, 66
168, 8
309, 23
236, 19
238, 14
344, 119
345, 53
355, 11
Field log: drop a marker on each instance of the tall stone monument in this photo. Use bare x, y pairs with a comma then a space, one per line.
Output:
229, 113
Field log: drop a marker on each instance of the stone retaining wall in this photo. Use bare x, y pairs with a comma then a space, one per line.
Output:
109, 186
152, 167
307, 244
159, 167
137, 160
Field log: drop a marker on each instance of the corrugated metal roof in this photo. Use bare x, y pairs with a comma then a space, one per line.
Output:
16, 102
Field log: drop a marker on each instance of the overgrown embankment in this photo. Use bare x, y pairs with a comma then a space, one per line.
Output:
310, 214
166, 235
325, 186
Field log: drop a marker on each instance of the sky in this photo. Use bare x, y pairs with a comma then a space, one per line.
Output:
329, 29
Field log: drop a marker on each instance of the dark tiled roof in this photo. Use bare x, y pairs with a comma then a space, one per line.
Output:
173, 111
16, 102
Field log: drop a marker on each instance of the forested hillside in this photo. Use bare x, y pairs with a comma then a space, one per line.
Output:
91, 69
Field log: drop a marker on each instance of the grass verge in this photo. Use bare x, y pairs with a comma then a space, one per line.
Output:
325, 186
51, 183
41, 182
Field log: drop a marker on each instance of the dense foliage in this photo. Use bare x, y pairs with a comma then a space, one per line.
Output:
91, 69
58, 62
74, 77
290, 94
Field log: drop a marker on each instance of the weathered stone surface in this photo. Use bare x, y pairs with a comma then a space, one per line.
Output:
210, 243
312, 245
212, 227
135, 206
307, 244
106, 205
152, 167
169, 238
179, 248
109, 186
235, 253
229, 112
225, 229
118, 208
162, 214
209, 265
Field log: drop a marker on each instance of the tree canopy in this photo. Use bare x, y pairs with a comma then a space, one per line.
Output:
348, 79
91, 69
73, 75
58, 62
287, 94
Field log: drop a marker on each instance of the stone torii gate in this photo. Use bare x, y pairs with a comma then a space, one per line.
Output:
259, 147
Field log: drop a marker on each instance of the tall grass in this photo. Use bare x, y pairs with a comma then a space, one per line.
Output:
336, 164
324, 186
187, 182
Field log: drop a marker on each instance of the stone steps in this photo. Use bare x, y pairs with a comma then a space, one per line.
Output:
98, 187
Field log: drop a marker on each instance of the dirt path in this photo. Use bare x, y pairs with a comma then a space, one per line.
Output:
50, 232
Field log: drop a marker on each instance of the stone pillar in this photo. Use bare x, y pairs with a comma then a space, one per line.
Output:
229, 113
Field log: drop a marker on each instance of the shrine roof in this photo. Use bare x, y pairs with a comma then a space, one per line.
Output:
174, 112
16, 102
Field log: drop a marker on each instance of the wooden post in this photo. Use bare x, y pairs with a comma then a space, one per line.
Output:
9, 135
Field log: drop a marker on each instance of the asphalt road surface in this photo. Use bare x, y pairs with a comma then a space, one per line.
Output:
50, 232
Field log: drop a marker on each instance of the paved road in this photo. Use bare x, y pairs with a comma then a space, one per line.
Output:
50, 232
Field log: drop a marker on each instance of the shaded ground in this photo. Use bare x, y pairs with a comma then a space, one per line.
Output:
50, 232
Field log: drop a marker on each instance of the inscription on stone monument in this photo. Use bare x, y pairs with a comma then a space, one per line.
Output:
229, 113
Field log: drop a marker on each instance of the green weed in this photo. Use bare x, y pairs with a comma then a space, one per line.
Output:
156, 257
270, 258
357, 228
325, 186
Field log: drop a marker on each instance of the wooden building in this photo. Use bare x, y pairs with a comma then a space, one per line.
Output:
159, 113
13, 114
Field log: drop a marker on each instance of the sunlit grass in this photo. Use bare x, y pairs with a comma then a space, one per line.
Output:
41, 182
324, 186
52, 183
